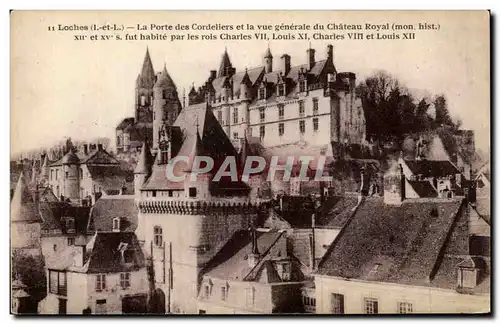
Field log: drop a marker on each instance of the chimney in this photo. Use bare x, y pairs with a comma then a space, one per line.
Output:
85, 149
99, 147
329, 53
285, 64
79, 258
310, 57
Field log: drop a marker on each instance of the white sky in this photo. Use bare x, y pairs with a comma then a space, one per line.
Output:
61, 87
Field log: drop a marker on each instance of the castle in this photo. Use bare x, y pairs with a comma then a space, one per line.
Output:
310, 104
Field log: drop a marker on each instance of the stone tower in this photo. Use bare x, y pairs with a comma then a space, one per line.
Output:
144, 91
71, 173
166, 104
268, 61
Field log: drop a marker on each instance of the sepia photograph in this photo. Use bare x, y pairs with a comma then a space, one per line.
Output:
250, 162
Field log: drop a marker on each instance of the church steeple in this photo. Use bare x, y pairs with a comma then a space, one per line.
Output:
146, 78
226, 67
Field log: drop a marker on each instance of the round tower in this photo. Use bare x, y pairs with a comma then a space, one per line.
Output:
141, 174
71, 175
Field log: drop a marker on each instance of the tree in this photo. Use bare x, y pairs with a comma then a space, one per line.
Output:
442, 114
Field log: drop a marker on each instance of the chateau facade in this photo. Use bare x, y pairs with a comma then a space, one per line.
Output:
281, 103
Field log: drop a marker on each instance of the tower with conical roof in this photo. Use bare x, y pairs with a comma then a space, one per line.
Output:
268, 61
144, 90
225, 68
166, 104
71, 173
25, 219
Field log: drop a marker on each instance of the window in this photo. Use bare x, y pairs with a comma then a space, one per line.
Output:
405, 308
62, 306
100, 306
262, 131
67, 174
57, 282
235, 115
315, 106
250, 296
281, 111
262, 113
158, 236
192, 192
315, 124
219, 116
153, 193
281, 129
54, 247
284, 271
309, 301
71, 241
57, 173
81, 173
100, 282
223, 293
70, 225
116, 224
302, 126
235, 135
143, 100
51, 174
337, 304
125, 280
170, 193
262, 93
281, 90
371, 306
301, 108
302, 86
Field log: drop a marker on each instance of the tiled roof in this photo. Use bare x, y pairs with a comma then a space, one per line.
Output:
429, 168
99, 157
109, 177
125, 123
401, 244
336, 211
423, 188
22, 206
109, 207
231, 262
53, 214
105, 257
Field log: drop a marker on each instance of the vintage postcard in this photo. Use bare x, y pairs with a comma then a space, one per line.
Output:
250, 162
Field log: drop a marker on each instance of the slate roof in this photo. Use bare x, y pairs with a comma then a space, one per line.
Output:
145, 160
22, 205
53, 214
429, 168
407, 242
231, 262
423, 188
336, 211
99, 157
102, 255
111, 178
146, 78
125, 123
107, 208
164, 79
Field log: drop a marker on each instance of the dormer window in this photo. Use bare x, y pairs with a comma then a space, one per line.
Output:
284, 270
467, 274
262, 93
281, 90
302, 86
116, 224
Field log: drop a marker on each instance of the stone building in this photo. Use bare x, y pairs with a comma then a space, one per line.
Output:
83, 176
282, 103
105, 276
404, 255
156, 99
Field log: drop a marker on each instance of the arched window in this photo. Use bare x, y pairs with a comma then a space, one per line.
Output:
143, 100
158, 236
116, 224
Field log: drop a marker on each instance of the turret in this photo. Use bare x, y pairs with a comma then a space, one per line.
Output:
144, 87
71, 175
245, 87
268, 61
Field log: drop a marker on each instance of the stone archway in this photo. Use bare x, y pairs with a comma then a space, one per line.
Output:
157, 303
